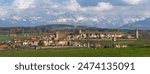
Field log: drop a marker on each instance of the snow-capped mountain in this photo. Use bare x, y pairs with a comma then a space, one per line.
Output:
18, 23
141, 25
60, 14
92, 13
102, 22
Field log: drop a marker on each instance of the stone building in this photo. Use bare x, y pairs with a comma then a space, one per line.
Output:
137, 34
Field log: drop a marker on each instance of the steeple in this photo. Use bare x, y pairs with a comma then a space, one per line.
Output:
137, 34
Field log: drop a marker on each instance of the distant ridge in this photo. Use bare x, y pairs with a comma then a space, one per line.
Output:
64, 26
141, 25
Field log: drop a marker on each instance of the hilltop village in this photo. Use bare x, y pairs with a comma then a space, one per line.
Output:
63, 40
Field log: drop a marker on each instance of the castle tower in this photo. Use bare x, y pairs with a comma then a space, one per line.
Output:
80, 31
114, 38
57, 35
137, 34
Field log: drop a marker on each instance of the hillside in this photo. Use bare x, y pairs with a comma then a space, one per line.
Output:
65, 27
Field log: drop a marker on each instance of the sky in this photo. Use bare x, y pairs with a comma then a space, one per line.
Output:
99, 13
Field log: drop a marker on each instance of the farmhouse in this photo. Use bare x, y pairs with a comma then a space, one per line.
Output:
120, 46
62, 43
3, 46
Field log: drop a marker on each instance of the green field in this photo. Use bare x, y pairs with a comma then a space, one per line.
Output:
7, 38
79, 52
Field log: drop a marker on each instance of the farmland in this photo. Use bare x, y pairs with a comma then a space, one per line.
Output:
7, 38
79, 52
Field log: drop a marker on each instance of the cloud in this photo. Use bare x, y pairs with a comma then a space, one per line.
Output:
23, 4
128, 20
103, 13
133, 2
16, 18
3, 12
104, 6
73, 5
62, 20
80, 18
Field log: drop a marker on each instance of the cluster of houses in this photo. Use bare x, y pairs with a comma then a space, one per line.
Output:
101, 35
57, 39
76, 39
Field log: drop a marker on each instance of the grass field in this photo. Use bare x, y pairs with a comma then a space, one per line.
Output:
131, 43
79, 52
7, 38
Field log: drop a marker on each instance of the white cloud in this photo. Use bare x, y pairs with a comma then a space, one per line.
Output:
16, 18
70, 11
62, 20
131, 19
133, 2
23, 4
104, 6
35, 18
3, 12
73, 5
80, 18
94, 19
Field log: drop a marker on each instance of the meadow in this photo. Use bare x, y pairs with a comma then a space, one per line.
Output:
8, 38
79, 52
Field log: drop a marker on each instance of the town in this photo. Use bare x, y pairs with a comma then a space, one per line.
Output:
79, 38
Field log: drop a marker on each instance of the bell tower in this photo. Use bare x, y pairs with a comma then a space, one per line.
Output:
137, 34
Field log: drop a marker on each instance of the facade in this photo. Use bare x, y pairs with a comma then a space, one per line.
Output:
3, 46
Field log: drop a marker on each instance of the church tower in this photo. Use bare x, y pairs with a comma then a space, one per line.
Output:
137, 34
57, 36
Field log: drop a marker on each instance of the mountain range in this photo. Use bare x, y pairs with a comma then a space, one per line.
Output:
141, 25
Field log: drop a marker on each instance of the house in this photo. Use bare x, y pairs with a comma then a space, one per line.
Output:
117, 46
3, 46
25, 43
51, 43
78, 44
17, 40
62, 43
34, 42
46, 42
120, 46
60, 36
93, 45
129, 37
102, 35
